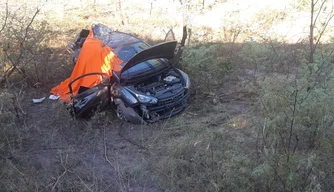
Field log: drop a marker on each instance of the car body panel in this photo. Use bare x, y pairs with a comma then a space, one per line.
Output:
162, 50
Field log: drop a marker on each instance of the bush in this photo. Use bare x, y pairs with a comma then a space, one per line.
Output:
296, 124
206, 66
23, 46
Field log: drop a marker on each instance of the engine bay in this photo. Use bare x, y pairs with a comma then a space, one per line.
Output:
160, 84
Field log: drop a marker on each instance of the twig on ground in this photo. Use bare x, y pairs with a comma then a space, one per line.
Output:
60, 176
119, 174
163, 126
10, 163
105, 149
130, 141
83, 182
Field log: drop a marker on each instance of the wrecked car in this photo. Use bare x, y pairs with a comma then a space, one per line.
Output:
148, 87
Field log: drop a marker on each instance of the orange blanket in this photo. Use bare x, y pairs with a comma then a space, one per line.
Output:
95, 56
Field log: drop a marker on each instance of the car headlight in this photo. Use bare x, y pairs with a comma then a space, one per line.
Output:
185, 78
146, 99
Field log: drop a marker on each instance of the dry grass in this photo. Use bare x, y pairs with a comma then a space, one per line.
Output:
214, 145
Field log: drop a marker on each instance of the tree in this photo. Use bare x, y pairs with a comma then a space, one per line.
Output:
319, 20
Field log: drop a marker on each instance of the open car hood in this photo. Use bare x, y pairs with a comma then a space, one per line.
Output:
162, 50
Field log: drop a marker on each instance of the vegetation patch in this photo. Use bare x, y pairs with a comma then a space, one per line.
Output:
260, 116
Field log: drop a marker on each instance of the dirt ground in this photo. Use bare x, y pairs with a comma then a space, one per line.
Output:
97, 153
55, 152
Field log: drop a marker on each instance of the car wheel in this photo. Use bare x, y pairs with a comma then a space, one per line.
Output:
119, 113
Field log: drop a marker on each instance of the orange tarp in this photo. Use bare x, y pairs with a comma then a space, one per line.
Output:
95, 56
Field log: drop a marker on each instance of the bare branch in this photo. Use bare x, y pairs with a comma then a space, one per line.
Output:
83, 182
64, 172
26, 35
14, 167
313, 23
21, 40
170, 31
15, 67
313, 4
328, 19
6, 17
28, 26
292, 122
320, 9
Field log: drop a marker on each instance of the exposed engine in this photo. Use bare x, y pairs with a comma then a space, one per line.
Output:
169, 90
160, 84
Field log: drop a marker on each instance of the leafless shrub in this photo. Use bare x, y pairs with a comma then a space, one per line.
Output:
21, 44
